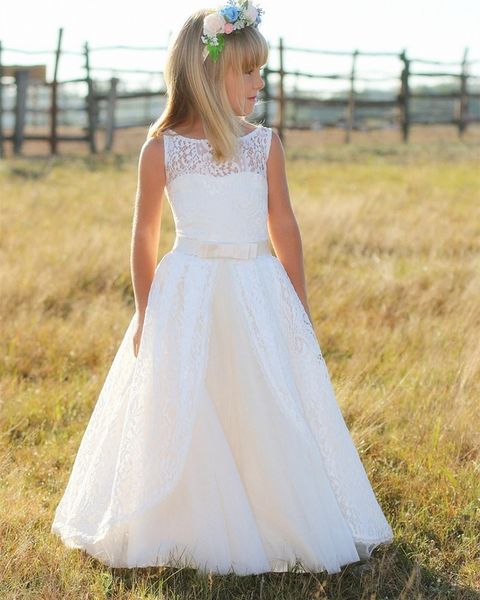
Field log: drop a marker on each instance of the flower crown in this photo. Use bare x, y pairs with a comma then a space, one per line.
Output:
223, 21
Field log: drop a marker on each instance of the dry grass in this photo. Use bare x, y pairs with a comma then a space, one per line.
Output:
392, 246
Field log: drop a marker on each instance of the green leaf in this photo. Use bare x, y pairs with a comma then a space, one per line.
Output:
214, 51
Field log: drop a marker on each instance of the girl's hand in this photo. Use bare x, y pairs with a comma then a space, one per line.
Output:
306, 307
307, 310
137, 336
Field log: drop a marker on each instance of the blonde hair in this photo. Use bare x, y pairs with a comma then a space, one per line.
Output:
197, 87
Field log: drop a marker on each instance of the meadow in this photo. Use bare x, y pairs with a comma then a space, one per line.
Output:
391, 238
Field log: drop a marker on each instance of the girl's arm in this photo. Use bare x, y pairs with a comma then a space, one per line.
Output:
282, 224
147, 221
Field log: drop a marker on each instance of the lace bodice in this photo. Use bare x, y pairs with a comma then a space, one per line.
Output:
218, 202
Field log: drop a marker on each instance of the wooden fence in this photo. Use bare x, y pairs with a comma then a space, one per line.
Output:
275, 95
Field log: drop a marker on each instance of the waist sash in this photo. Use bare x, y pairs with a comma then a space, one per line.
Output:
203, 249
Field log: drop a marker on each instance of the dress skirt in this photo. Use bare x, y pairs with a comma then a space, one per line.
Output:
221, 446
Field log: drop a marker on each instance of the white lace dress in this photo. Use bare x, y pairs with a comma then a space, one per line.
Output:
221, 445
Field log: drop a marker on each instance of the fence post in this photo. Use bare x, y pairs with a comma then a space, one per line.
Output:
21, 81
281, 92
463, 100
54, 102
111, 103
296, 120
90, 102
1, 104
266, 97
351, 100
404, 96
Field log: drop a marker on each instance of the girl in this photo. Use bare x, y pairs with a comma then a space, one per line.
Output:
216, 441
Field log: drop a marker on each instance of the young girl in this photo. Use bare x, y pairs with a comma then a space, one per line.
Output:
216, 441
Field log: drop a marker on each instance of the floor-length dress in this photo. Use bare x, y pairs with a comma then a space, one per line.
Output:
221, 446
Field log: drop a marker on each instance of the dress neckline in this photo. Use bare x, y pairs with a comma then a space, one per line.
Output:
241, 137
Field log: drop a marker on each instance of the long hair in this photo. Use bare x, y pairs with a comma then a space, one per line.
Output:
196, 87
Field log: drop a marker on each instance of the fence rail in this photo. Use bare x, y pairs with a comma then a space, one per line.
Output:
279, 106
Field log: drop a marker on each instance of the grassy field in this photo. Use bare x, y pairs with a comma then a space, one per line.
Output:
391, 238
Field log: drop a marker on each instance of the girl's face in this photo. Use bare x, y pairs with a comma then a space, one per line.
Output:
242, 90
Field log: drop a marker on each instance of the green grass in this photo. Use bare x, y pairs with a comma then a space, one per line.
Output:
391, 238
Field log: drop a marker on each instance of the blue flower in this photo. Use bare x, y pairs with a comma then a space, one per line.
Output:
230, 13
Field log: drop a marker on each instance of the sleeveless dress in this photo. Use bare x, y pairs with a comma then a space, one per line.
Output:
221, 446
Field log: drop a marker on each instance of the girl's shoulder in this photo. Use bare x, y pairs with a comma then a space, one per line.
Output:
152, 153
154, 145
275, 154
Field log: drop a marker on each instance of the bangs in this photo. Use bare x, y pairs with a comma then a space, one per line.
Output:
248, 49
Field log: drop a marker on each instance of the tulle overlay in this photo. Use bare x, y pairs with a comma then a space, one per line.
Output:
221, 445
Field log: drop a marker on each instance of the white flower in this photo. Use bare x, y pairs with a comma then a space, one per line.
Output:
250, 13
213, 23
238, 24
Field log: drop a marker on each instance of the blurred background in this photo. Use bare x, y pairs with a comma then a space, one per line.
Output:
79, 76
